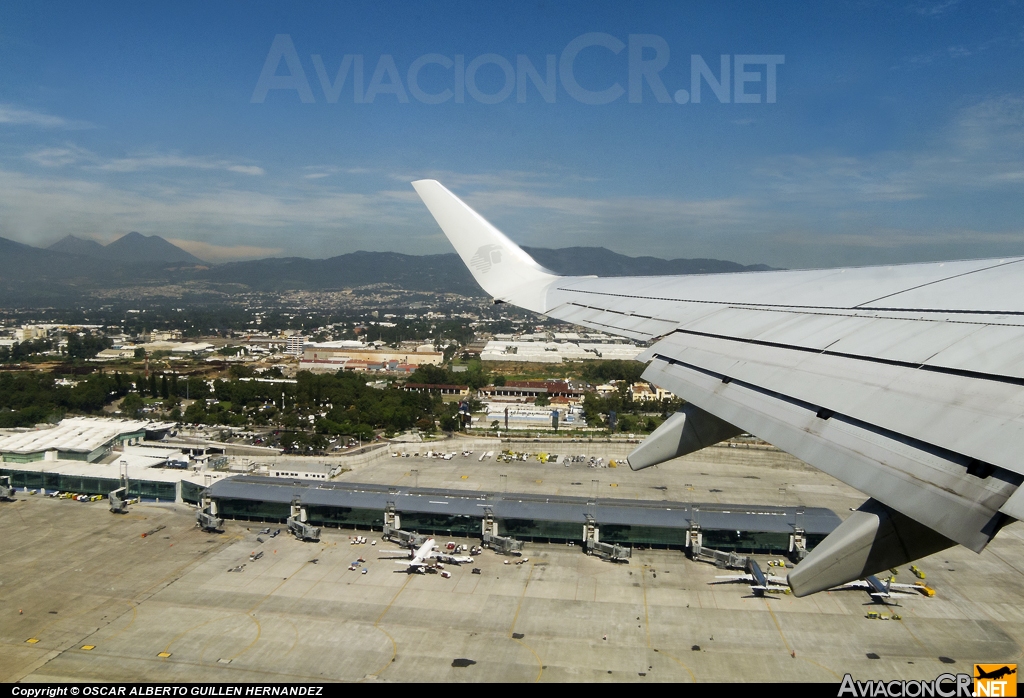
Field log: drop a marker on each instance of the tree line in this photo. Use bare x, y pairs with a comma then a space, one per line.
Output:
27, 399
84, 345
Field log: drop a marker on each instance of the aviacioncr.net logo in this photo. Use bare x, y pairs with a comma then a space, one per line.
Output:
942, 686
485, 258
995, 680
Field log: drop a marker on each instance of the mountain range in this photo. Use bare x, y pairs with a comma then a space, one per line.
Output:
73, 266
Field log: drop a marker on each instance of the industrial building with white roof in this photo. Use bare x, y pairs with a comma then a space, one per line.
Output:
77, 438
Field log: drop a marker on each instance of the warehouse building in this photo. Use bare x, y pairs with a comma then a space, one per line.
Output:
79, 438
548, 352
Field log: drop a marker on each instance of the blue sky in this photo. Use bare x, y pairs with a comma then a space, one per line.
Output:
896, 132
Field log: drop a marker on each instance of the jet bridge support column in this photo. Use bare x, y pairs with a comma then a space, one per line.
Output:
798, 544
119, 497
206, 518
297, 523
591, 533
392, 521
489, 526
694, 539
391, 517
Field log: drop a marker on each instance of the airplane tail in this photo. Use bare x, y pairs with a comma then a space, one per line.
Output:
499, 265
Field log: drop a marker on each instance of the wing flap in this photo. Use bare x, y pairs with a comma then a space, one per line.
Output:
994, 350
978, 419
914, 481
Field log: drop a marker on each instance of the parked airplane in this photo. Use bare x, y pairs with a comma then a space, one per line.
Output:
419, 559
761, 582
879, 590
902, 381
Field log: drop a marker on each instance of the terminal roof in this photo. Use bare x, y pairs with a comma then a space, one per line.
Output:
628, 512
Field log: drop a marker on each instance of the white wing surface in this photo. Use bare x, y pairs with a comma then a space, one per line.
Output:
903, 381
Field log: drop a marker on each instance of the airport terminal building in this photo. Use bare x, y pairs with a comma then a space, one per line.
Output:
93, 456
526, 517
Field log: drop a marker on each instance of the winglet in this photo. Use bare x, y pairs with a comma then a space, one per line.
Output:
500, 267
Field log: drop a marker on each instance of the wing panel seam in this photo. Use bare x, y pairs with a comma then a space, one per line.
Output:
960, 372
782, 307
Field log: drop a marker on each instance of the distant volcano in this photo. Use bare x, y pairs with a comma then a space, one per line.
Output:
133, 247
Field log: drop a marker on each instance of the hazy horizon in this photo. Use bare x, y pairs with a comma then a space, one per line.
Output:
854, 133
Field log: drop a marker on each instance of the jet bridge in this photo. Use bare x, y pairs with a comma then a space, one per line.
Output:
393, 530
719, 558
6, 491
407, 539
297, 523
593, 546
502, 545
119, 500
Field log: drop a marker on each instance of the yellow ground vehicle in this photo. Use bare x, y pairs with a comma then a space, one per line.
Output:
925, 589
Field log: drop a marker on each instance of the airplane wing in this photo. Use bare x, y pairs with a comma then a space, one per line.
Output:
727, 578
902, 381
891, 594
749, 580
908, 587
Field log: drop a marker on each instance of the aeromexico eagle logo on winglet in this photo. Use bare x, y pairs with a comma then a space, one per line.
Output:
485, 258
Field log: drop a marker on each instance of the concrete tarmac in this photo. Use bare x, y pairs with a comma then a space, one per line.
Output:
85, 597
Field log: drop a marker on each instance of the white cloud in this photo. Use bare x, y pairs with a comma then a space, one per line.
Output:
165, 161
59, 157
70, 154
933, 9
17, 116
246, 169
319, 171
224, 253
981, 150
38, 209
